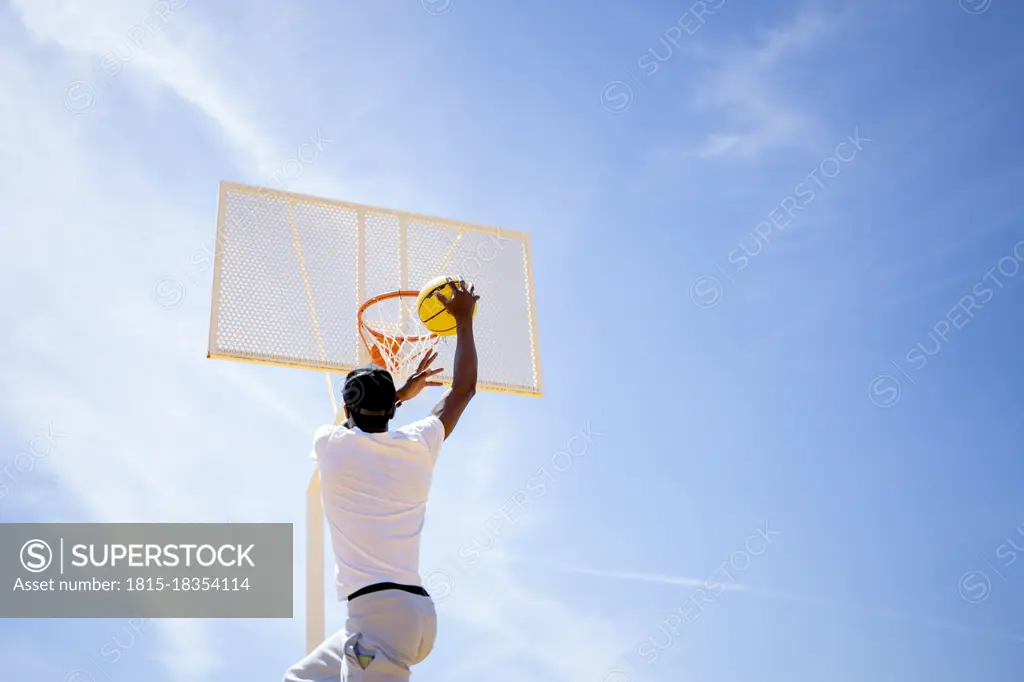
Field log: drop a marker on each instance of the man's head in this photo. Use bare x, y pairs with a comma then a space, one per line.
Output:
370, 397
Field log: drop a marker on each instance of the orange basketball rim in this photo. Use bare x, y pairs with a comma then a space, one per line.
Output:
384, 339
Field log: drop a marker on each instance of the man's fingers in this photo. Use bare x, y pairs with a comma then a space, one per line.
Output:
434, 383
435, 371
427, 359
458, 286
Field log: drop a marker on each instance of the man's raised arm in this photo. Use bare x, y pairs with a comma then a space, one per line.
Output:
454, 402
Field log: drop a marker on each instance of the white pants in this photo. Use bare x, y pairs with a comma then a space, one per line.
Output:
385, 634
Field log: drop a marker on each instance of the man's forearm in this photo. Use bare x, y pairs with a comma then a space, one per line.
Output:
464, 374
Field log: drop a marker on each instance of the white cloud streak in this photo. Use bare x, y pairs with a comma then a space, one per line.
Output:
816, 602
657, 578
744, 90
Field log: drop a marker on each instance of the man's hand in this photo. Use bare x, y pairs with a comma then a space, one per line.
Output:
462, 302
419, 379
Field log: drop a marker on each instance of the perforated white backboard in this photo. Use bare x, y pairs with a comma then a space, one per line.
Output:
291, 271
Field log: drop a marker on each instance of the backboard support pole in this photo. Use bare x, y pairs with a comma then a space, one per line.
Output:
314, 565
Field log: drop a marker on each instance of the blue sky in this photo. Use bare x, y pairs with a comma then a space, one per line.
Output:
818, 374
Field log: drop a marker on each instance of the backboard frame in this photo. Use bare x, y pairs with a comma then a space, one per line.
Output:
404, 218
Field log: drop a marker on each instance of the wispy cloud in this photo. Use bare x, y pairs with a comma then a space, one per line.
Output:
829, 604
657, 578
108, 32
744, 89
716, 144
878, 613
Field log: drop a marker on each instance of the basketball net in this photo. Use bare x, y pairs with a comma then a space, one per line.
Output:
392, 332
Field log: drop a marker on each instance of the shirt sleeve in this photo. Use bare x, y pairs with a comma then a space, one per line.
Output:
431, 431
320, 438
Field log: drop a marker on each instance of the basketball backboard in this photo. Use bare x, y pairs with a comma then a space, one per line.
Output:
291, 270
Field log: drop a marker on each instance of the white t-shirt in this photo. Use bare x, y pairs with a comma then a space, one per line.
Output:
374, 488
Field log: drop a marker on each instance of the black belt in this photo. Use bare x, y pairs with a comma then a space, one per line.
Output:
379, 587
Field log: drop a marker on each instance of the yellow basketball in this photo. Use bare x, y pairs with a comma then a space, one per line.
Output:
432, 313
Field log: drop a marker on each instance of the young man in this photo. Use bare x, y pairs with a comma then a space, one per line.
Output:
374, 484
